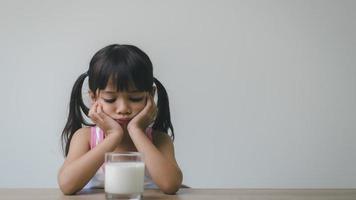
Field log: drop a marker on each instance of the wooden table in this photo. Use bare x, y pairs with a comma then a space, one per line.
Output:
196, 194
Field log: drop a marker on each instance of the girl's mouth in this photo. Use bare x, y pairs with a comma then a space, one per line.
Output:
123, 122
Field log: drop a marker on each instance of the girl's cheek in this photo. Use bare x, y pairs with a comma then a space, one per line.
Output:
100, 101
143, 106
137, 108
105, 107
109, 108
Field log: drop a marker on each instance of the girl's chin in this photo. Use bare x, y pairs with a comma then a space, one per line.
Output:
123, 124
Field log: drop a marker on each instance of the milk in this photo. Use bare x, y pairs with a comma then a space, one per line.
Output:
124, 177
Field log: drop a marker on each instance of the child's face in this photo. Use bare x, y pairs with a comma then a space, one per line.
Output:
121, 106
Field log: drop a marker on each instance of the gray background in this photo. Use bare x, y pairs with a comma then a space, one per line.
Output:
262, 93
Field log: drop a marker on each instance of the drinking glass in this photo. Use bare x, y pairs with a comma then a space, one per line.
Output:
124, 175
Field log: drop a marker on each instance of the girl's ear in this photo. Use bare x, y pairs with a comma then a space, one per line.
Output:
153, 91
92, 96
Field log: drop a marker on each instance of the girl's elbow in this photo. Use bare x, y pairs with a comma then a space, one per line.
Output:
170, 190
66, 186
172, 187
67, 191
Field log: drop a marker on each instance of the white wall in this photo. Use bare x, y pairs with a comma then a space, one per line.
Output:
263, 93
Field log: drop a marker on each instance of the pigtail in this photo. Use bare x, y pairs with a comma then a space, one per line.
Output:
75, 117
163, 119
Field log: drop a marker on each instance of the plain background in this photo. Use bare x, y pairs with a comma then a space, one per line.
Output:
262, 93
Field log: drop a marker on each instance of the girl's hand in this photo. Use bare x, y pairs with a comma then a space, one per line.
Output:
145, 117
104, 121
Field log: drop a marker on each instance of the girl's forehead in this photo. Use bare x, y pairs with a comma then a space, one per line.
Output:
112, 88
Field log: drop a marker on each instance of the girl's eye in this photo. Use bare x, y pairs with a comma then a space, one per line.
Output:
109, 100
136, 99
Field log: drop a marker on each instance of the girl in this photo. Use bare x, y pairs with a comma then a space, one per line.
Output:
121, 87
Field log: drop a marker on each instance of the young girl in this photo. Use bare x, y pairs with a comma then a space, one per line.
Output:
121, 87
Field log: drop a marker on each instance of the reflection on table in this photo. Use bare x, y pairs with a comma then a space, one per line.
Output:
188, 193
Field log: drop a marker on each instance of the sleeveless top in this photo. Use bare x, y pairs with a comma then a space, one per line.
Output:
97, 181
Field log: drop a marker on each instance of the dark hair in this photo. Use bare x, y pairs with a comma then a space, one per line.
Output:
124, 65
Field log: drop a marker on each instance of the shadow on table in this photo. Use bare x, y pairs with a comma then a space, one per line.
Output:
90, 191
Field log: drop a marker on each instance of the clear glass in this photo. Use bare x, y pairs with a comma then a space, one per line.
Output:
124, 175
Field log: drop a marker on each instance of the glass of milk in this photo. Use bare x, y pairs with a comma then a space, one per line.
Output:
124, 175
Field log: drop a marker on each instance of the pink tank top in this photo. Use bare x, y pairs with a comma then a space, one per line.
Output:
97, 135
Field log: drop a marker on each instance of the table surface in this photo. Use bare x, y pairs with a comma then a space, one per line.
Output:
186, 194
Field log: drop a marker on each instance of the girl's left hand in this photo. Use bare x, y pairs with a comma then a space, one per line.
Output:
145, 117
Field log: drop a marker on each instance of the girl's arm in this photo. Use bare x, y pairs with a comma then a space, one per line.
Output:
160, 160
82, 163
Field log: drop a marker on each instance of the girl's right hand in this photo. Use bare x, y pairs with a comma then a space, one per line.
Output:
104, 121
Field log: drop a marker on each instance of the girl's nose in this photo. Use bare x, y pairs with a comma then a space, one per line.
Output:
123, 108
